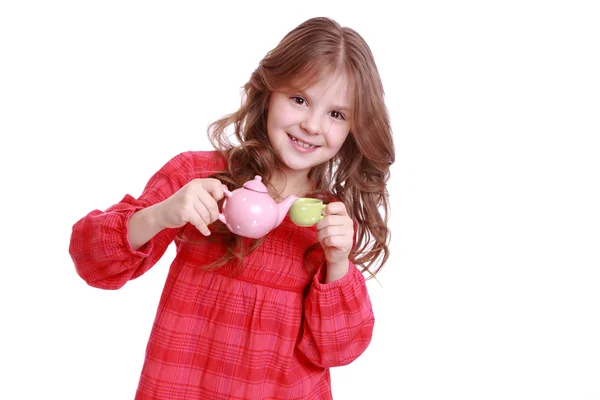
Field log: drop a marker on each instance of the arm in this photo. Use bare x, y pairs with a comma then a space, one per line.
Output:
121, 243
143, 226
338, 320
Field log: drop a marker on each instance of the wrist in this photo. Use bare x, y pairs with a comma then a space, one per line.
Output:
153, 218
142, 227
336, 270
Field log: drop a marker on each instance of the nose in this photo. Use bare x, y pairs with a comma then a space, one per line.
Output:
311, 123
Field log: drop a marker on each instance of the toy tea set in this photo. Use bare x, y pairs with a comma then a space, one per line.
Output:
249, 211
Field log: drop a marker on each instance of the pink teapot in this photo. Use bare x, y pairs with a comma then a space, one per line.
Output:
251, 212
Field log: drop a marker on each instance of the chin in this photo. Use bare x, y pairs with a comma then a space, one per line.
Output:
301, 162
297, 167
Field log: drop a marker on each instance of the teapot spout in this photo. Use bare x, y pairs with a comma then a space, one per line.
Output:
284, 207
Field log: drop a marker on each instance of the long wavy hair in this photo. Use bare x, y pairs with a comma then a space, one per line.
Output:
316, 49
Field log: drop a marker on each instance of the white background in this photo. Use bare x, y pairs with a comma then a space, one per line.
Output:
492, 290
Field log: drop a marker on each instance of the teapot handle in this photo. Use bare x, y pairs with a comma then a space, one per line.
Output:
222, 217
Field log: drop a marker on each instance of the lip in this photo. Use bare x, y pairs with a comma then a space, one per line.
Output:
301, 149
303, 141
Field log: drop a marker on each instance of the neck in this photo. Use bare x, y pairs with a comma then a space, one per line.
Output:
287, 183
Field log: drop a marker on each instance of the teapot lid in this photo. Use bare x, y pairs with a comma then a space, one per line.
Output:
256, 185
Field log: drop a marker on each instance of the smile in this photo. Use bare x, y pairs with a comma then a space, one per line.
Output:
302, 144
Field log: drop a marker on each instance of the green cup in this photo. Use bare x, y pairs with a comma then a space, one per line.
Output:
306, 211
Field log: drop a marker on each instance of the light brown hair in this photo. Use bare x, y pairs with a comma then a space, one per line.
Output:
316, 49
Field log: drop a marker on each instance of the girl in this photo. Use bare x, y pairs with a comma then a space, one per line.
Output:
262, 319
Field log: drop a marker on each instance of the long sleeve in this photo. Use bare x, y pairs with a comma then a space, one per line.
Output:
99, 246
338, 320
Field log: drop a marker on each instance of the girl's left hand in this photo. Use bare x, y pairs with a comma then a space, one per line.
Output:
335, 232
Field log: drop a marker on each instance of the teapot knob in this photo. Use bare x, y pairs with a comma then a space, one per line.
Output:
256, 185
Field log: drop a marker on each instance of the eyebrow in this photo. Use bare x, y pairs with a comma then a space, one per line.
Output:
342, 108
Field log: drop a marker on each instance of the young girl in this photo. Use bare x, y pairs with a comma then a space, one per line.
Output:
262, 318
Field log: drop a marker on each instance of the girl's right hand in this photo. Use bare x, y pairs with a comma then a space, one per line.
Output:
195, 203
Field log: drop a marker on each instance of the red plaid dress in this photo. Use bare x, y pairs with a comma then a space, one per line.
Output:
272, 332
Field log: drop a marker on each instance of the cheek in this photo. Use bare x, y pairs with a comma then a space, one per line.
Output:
277, 123
283, 115
337, 137
273, 120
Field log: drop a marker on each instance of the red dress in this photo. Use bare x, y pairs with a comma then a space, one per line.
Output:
272, 332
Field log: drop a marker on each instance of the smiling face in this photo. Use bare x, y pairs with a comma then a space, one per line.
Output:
308, 127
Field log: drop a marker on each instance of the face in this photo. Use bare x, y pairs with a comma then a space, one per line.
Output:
308, 127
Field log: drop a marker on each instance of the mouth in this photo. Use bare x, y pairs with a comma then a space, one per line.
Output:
300, 143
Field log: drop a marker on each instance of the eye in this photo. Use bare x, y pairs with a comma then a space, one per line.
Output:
299, 100
337, 115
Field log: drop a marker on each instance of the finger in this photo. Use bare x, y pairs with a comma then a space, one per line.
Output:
335, 208
199, 223
203, 212
214, 187
337, 220
333, 230
339, 242
209, 204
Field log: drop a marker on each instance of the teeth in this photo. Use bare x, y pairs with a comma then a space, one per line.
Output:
302, 144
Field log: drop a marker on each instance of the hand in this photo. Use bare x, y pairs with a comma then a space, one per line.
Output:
335, 232
195, 203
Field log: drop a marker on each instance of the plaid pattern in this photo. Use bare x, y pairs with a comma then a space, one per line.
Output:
271, 333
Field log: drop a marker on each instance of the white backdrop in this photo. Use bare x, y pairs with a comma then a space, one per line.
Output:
492, 290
